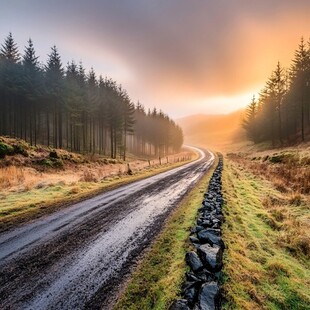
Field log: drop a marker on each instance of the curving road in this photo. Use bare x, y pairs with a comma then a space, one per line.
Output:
76, 258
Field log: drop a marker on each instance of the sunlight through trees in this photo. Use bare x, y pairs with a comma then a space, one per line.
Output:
282, 112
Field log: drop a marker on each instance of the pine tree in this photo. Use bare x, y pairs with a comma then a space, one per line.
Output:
277, 90
92, 104
250, 122
75, 110
9, 49
300, 71
54, 86
74, 106
54, 69
10, 86
30, 60
32, 90
82, 75
128, 119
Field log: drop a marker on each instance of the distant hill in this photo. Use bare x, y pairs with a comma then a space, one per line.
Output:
213, 130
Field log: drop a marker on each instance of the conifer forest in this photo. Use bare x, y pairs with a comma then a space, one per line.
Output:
281, 113
67, 107
155, 155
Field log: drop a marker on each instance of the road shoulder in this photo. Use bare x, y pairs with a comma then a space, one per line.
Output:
25, 206
156, 281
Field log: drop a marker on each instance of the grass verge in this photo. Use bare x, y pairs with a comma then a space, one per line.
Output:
19, 207
266, 263
156, 281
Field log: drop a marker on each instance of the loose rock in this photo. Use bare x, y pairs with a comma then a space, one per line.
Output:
211, 256
201, 289
193, 261
194, 240
210, 236
209, 296
191, 293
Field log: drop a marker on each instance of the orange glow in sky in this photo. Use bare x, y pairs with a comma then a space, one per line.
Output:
185, 57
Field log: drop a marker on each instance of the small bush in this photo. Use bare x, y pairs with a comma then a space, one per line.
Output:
46, 162
5, 149
287, 158
53, 154
51, 163
275, 159
57, 163
19, 149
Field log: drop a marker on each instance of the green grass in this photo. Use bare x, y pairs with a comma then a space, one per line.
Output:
263, 266
157, 280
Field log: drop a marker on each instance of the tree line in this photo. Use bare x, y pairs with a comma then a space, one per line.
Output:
281, 113
65, 107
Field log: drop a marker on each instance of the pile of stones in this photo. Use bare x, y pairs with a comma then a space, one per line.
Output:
201, 290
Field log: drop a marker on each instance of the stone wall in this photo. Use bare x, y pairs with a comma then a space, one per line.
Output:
201, 290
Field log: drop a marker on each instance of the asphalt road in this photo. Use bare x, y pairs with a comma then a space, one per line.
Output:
78, 257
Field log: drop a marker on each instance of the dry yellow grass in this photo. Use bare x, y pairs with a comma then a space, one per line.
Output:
16, 178
11, 176
267, 233
288, 170
26, 193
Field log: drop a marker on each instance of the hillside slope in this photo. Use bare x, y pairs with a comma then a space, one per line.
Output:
35, 180
213, 130
267, 229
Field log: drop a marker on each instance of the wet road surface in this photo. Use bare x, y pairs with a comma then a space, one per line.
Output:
76, 258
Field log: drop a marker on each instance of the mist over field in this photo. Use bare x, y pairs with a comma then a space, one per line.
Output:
154, 155
216, 131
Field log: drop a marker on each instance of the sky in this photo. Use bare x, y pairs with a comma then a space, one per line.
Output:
182, 56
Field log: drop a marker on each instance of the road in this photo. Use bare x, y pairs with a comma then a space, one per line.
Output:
78, 257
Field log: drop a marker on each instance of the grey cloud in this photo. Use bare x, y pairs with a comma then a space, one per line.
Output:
200, 47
